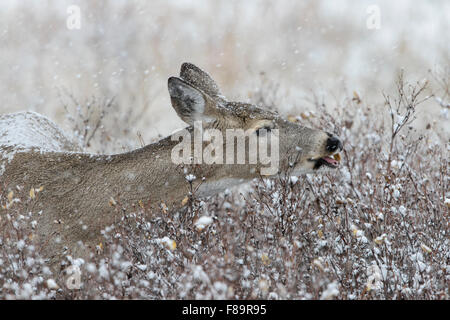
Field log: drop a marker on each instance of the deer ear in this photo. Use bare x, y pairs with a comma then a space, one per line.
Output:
199, 79
189, 102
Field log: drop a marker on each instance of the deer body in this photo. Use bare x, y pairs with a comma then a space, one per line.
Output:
77, 187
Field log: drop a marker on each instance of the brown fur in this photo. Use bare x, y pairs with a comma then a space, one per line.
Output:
78, 187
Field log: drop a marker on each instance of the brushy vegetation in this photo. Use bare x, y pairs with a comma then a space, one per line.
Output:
377, 228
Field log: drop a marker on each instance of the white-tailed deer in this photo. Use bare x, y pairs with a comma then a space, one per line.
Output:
77, 187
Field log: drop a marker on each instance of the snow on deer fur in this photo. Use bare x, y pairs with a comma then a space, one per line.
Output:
27, 131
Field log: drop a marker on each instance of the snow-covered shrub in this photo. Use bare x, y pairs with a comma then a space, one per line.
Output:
377, 228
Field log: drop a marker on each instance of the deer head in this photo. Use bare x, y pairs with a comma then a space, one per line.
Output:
196, 99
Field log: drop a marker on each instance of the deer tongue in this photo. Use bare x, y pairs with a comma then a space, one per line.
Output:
331, 161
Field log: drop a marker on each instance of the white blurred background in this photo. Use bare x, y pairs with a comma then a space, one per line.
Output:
128, 49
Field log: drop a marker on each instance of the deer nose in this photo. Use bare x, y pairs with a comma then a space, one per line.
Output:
333, 143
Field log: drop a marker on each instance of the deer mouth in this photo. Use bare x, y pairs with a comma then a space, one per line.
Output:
331, 162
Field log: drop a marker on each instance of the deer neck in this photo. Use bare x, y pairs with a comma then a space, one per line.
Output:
145, 176
152, 174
